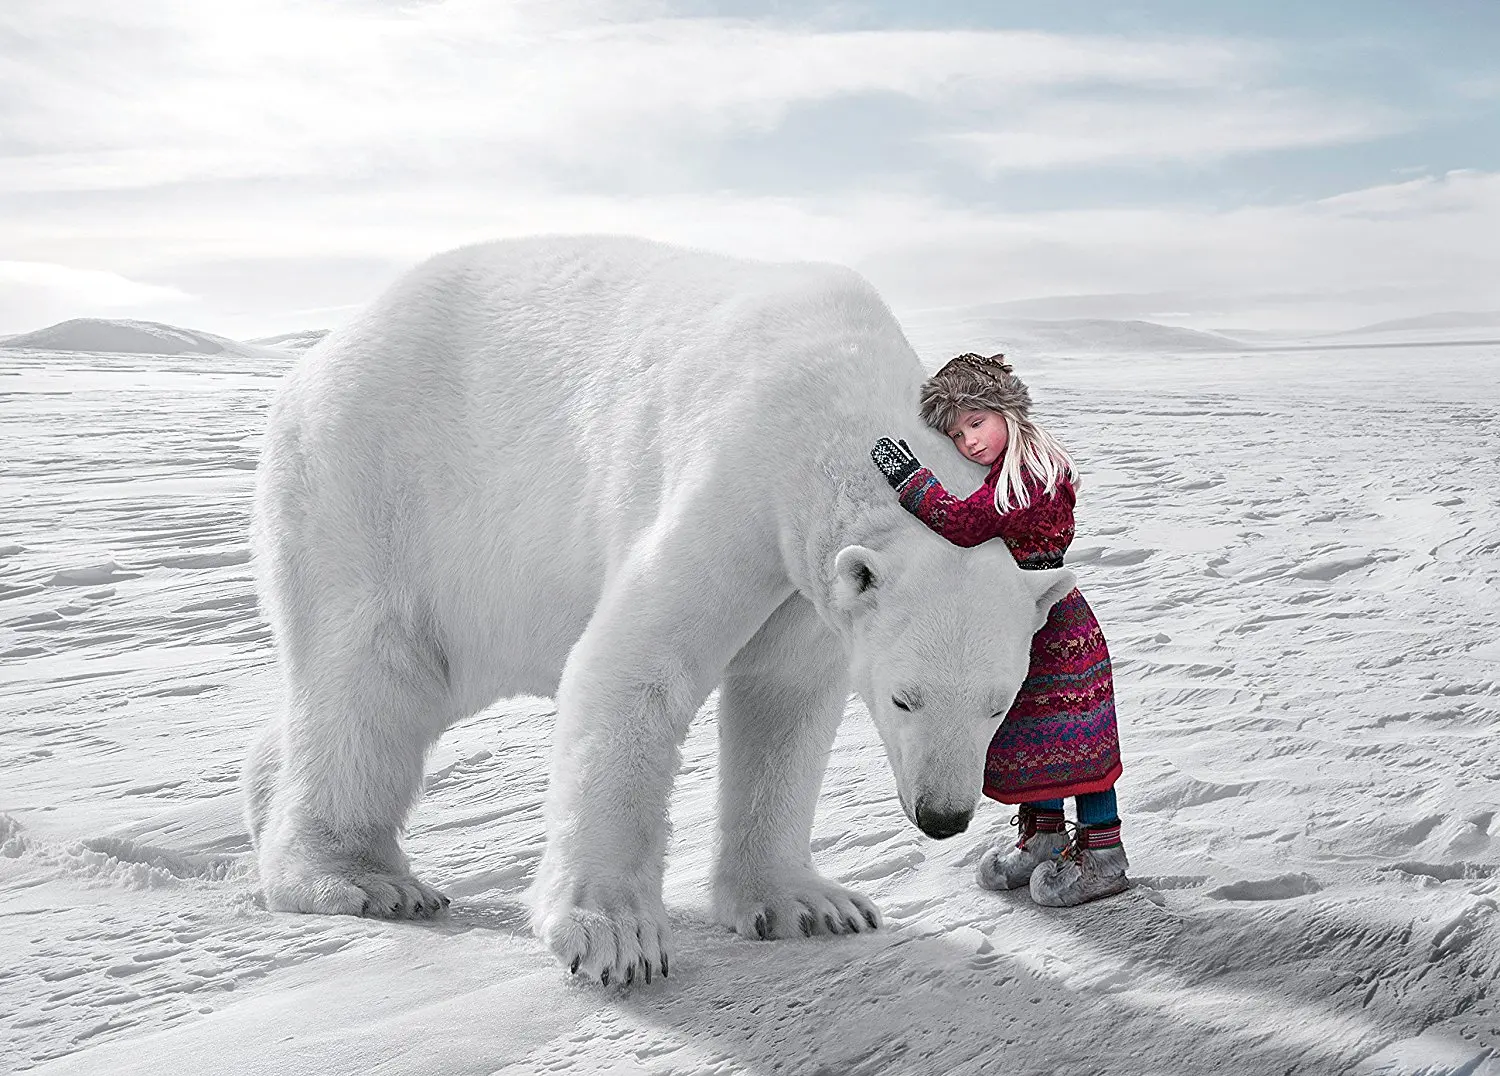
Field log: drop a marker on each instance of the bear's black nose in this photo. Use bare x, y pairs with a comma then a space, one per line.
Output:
941, 824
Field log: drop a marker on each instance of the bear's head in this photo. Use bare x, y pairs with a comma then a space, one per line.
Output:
940, 642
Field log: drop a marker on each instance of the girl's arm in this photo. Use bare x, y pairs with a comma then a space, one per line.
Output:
963, 521
970, 520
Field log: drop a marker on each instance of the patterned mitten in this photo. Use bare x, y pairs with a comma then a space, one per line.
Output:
895, 461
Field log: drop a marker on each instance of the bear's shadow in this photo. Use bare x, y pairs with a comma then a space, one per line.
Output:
908, 999
919, 996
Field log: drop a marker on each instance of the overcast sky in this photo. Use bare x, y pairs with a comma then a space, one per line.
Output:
259, 166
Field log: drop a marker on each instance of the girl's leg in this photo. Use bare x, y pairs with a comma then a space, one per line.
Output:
1098, 808
1099, 815
1094, 864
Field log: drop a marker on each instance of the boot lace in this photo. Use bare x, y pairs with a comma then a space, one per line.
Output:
1077, 841
1025, 822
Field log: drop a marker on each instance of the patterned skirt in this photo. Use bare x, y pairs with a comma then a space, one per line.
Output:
1059, 737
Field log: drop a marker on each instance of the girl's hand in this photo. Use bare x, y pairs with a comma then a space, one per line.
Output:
895, 461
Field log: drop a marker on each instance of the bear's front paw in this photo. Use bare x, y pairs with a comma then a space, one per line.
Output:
368, 893
606, 936
801, 907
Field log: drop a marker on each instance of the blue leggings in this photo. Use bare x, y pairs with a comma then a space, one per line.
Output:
1094, 808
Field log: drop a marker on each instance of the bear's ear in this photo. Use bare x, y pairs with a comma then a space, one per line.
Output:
1048, 587
856, 577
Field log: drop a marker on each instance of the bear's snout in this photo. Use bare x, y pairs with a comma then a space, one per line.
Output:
940, 824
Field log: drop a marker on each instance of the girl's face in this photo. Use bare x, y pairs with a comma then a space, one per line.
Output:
980, 435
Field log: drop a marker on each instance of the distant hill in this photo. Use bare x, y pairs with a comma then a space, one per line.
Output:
1267, 336
296, 342
1100, 334
1450, 319
936, 332
120, 336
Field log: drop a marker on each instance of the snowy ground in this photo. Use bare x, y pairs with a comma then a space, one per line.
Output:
1296, 559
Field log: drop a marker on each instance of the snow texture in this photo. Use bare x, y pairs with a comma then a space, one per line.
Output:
1310, 793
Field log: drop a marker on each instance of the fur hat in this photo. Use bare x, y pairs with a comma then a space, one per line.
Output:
973, 382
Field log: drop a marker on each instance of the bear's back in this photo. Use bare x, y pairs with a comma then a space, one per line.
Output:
616, 303
607, 339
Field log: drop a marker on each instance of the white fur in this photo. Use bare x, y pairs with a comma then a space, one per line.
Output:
622, 474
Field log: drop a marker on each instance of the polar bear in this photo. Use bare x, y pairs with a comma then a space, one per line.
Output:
622, 474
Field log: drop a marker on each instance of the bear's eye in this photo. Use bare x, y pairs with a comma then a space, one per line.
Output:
900, 703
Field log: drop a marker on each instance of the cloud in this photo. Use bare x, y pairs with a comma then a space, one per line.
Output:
272, 157
1484, 88
1385, 251
1193, 127
96, 286
173, 91
1380, 252
34, 294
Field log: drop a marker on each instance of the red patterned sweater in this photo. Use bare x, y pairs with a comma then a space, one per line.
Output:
1059, 737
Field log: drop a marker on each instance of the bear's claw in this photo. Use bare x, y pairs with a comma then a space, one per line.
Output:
314, 888
599, 940
807, 906
399, 897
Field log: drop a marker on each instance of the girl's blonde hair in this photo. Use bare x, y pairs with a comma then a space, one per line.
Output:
973, 382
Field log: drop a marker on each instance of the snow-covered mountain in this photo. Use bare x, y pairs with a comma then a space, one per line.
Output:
296, 342
1440, 322
1100, 334
127, 337
937, 332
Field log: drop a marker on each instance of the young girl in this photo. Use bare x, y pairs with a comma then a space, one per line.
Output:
1059, 737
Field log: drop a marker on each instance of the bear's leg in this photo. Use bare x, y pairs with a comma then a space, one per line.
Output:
258, 781
660, 638
779, 707
351, 748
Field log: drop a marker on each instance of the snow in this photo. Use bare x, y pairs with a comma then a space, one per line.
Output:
1294, 557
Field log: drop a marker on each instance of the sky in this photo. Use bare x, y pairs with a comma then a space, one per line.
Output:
251, 167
